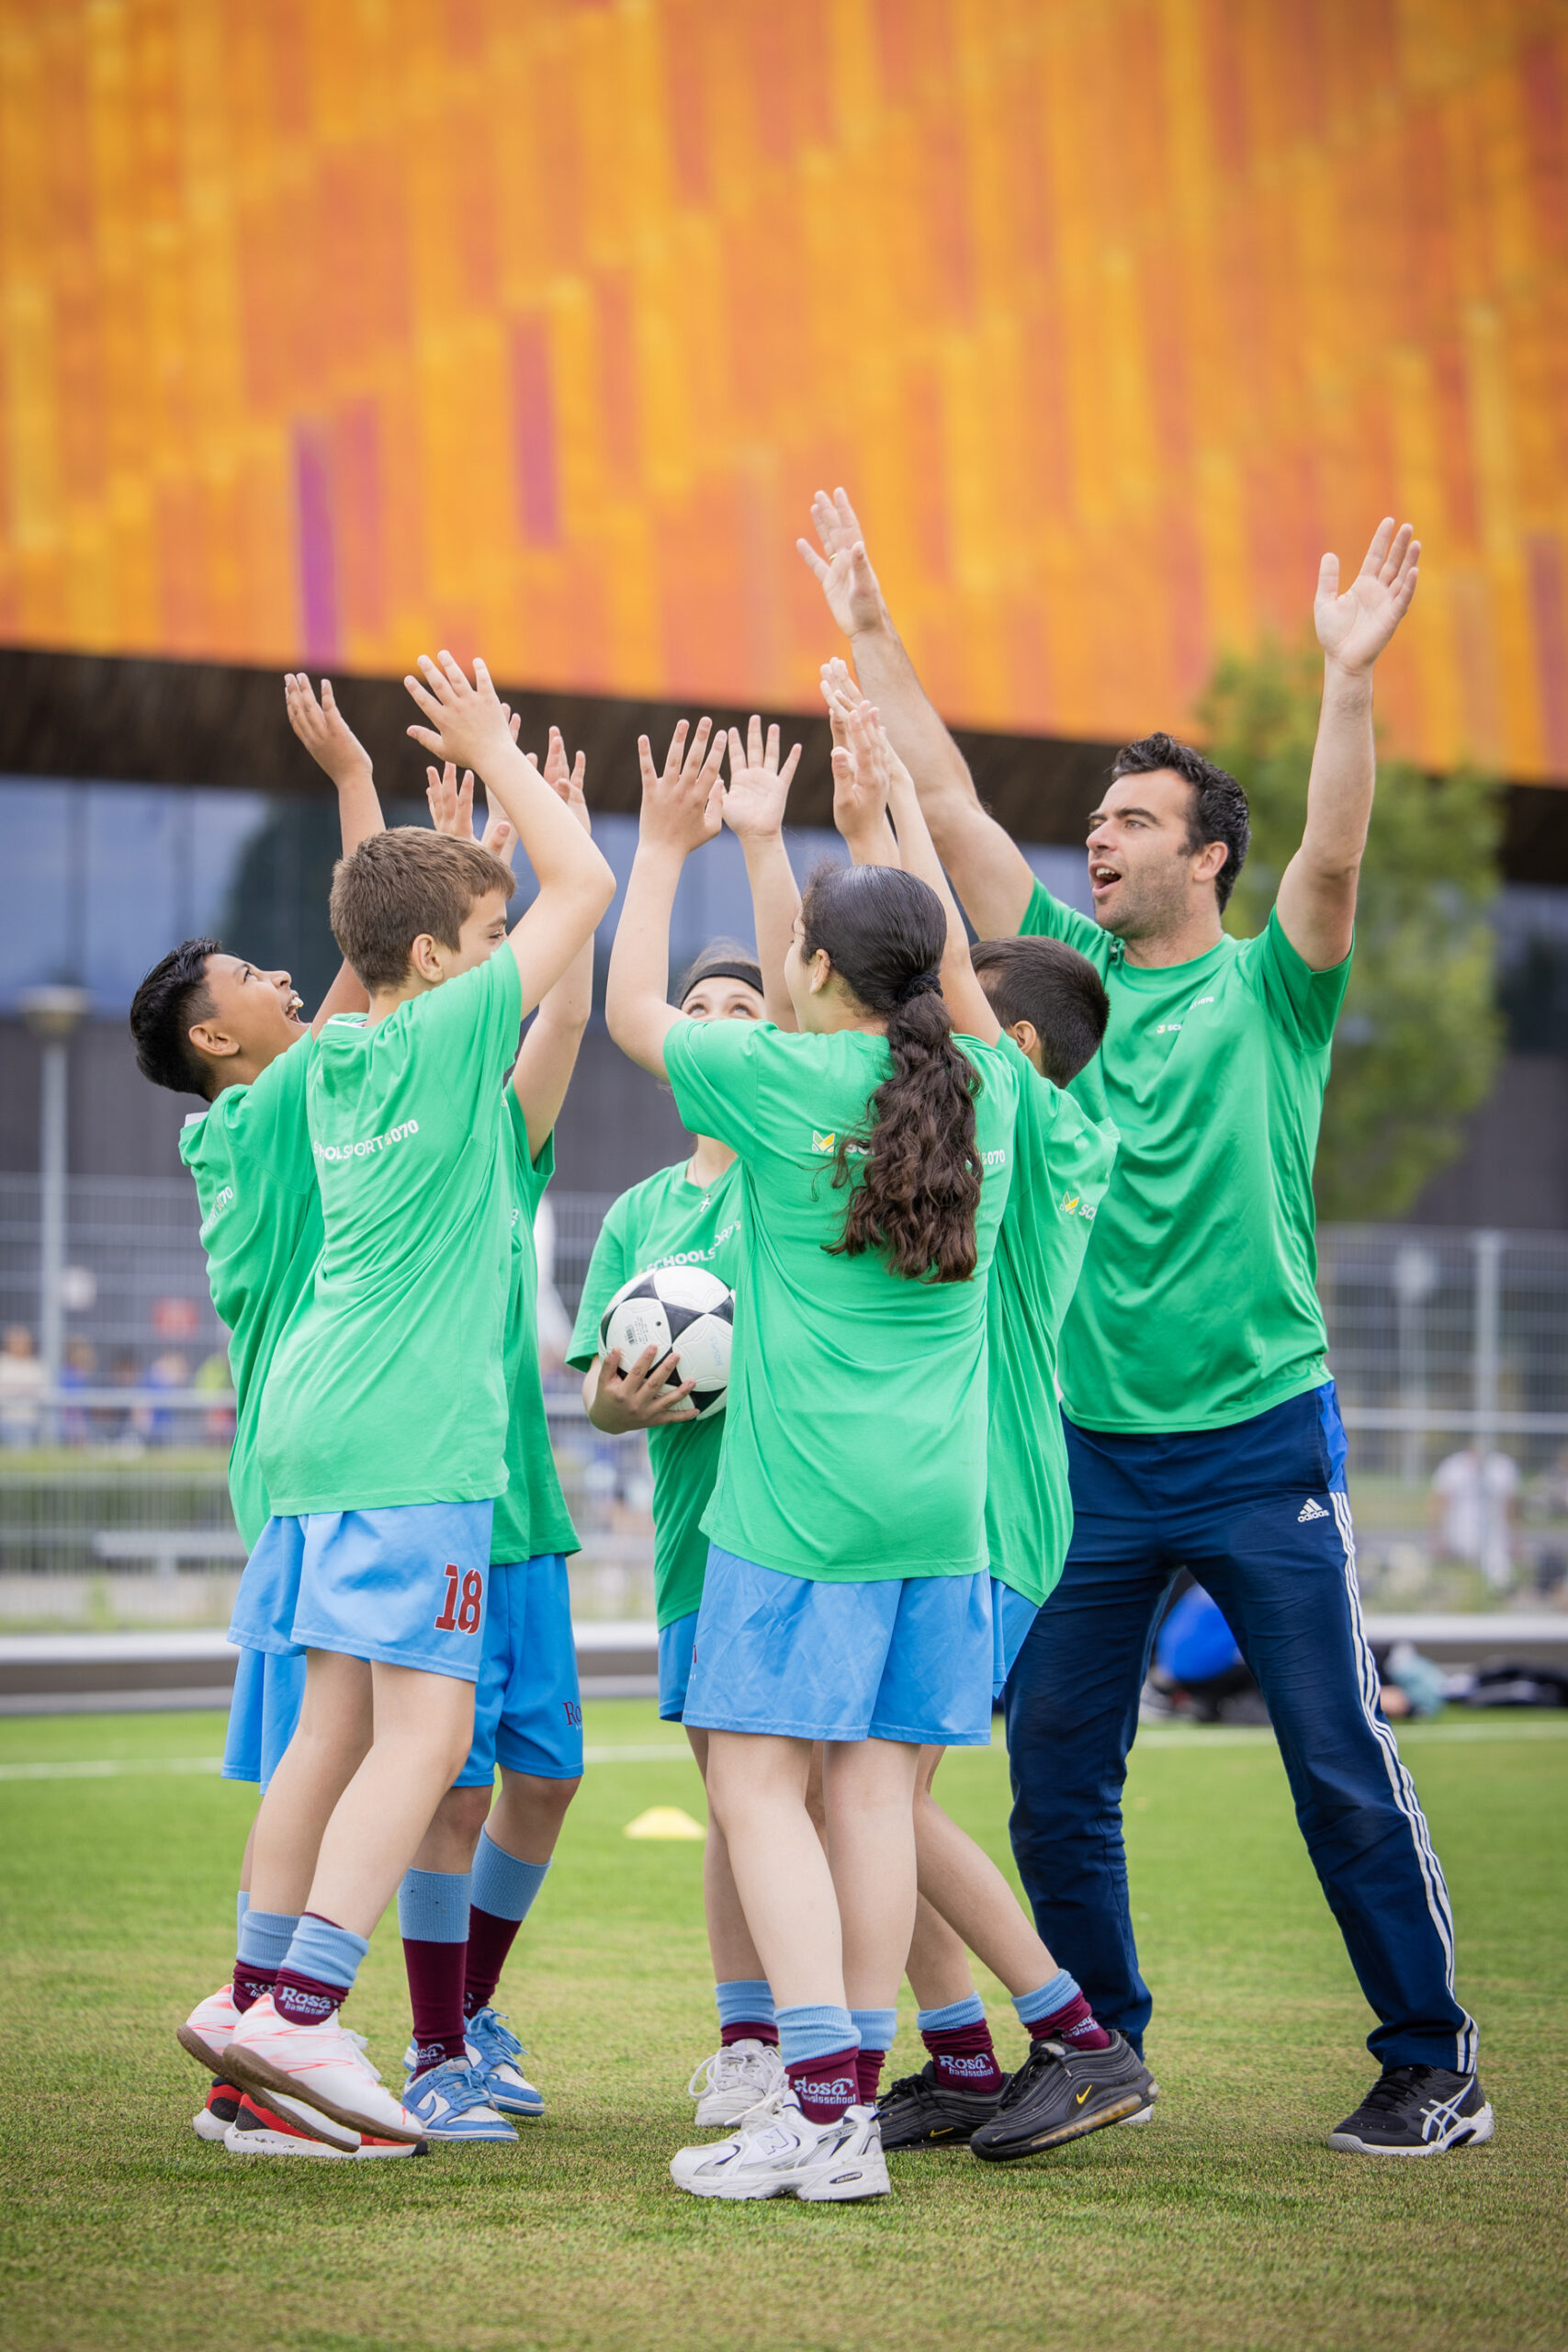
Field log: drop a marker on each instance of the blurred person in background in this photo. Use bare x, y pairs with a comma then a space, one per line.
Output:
21, 1388
214, 1379
1473, 1500
79, 1371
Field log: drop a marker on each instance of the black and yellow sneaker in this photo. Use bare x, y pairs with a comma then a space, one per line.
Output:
1416, 2111
921, 2112
1059, 2093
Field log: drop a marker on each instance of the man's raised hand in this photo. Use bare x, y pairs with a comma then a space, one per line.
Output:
680, 802
322, 728
844, 569
753, 802
1353, 629
468, 724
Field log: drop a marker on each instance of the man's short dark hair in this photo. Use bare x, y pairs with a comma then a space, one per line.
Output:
1219, 805
404, 882
1056, 990
170, 999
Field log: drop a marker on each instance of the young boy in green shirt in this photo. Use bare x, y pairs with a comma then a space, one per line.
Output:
384, 1421
210, 1024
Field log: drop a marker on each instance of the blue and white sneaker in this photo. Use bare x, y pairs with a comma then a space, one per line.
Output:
493, 2050
450, 2103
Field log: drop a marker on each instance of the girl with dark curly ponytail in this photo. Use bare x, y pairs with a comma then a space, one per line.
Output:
846, 1598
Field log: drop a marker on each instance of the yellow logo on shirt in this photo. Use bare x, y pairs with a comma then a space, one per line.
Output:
1073, 1204
829, 1142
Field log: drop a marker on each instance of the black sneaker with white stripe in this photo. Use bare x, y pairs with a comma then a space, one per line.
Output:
1416, 2111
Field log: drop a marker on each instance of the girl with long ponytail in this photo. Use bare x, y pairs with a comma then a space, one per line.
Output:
846, 1598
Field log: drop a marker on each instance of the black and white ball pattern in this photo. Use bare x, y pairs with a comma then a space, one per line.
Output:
683, 1309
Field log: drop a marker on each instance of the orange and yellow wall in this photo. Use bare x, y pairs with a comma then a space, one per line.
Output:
332, 328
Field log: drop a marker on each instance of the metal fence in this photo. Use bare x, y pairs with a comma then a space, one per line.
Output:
1449, 1348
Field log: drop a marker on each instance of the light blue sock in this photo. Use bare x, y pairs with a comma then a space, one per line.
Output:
332, 1955
813, 2030
433, 1906
875, 2028
242, 1904
970, 2010
1053, 1994
744, 2000
265, 1937
502, 1885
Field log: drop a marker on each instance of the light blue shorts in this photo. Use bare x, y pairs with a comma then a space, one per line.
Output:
1012, 1617
403, 1587
905, 1658
262, 1713
676, 1642
269, 1592
527, 1708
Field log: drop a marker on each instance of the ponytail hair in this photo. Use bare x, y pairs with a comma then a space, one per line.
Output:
883, 932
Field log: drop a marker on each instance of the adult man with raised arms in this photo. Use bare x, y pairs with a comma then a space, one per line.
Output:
1201, 1425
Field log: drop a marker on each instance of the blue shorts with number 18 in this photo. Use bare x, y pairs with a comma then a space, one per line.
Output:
904, 1659
405, 1587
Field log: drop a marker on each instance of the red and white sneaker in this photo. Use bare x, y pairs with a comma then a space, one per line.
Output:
222, 2105
210, 2029
261, 2131
324, 2066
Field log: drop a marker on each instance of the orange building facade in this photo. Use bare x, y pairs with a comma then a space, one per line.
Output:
335, 329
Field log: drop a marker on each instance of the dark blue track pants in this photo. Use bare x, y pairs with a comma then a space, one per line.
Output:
1259, 1514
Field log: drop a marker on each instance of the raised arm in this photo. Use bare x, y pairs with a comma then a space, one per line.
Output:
1316, 904
680, 811
336, 750
547, 1056
469, 726
869, 779
753, 808
989, 871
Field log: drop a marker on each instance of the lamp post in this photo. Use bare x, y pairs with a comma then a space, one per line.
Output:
52, 1014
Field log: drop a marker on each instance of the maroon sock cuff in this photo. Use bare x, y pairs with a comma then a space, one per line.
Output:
251, 1981
826, 2085
1075, 2024
490, 1941
868, 2074
305, 2000
751, 2030
964, 2057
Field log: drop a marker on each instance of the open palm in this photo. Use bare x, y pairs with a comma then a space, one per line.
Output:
844, 569
758, 787
1354, 627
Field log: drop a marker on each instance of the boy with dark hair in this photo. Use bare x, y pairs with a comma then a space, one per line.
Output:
384, 1423
210, 1024
460, 1911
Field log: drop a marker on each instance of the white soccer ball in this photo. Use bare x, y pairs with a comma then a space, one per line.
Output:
680, 1309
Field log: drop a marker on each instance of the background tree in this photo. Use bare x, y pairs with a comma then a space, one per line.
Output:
1418, 1041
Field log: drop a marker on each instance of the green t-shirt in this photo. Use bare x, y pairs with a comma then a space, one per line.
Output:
669, 1222
389, 1387
1197, 1304
855, 1442
1062, 1163
261, 1227
530, 1517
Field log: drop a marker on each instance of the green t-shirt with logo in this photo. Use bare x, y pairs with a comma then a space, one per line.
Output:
667, 1221
1062, 1161
261, 1227
389, 1386
1197, 1304
855, 1442
530, 1517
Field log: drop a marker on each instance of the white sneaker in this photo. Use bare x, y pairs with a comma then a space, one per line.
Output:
729, 2084
323, 2065
210, 2029
779, 2153
259, 2130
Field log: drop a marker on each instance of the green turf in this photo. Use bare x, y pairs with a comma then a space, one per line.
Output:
1226, 2223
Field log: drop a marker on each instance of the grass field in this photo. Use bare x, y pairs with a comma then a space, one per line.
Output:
1227, 2222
